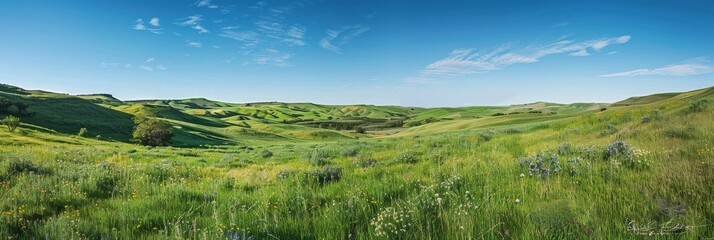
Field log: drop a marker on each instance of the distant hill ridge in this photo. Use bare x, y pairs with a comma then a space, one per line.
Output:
200, 121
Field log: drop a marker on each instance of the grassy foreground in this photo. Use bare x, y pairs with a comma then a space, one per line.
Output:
636, 170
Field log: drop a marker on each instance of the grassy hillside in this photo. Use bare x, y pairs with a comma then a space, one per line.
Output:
67, 114
627, 172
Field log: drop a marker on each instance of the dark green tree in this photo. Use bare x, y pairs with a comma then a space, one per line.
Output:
361, 130
152, 132
4, 104
21, 107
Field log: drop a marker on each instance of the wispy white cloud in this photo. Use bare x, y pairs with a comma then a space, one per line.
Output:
149, 65
269, 28
295, 36
195, 44
111, 64
249, 38
146, 68
581, 53
334, 39
194, 22
203, 3
140, 26
690, 67
206, 3
468, 61
271, 56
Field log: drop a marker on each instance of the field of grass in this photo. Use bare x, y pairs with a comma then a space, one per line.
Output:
631, 170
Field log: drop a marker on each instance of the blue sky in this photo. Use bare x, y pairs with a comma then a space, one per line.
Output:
415, 53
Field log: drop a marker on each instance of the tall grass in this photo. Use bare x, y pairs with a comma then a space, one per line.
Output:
459, 185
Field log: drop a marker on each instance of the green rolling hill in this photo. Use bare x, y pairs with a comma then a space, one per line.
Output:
200, 121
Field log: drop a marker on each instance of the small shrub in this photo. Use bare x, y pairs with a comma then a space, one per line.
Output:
349, 152
81, 132
698, 105
688, 131
159, 173
656, 114
325, 175
285, 174
512, 131
539, 165
393, 223
646, 119
565, 149
11, 122
406, 157
228, 183
19, 166
603, 109
486, 135
319, 157
266, 154
617, 149
361, 130
365, 162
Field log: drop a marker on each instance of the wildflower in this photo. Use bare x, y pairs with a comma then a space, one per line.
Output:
518, 200
523, 175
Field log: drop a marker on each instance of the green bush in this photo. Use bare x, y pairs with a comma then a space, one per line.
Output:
266, 154
285, 174
698, 105
325, 175
486, 135
11, 122
153, 132
319, 157
688, 131
349, 152
406, 157
365, 161
82, 131
617, 149
18, 166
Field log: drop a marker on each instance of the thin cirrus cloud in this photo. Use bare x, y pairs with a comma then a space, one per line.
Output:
695, 66
249, 38
153, 26
467, 61
146, 68
334, 39
148, 65
194, 22
272, 57
195, 44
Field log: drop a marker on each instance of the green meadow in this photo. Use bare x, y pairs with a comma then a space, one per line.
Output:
635, 169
